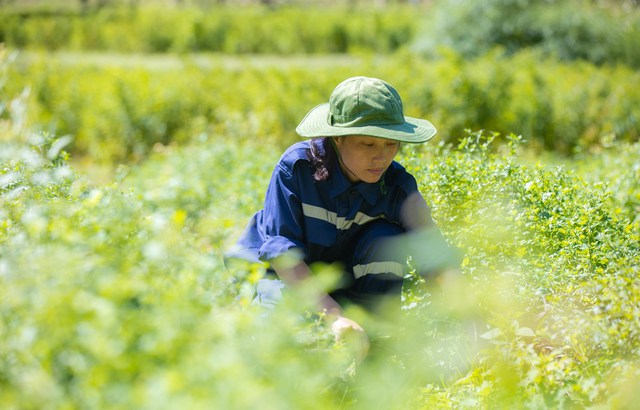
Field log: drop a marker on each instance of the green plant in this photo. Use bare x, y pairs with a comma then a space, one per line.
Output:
547, 256
118, 111
118, 295
570, 30
236, 30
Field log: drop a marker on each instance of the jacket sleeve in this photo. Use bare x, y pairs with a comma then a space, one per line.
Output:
282, 215
415, 213
423, 241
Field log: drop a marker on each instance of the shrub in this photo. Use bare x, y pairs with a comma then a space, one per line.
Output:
568, 30
118, 296
118, 111
110, 298
234, 30
556, 256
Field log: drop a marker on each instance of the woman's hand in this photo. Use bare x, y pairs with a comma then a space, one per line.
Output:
352, 335
345, 330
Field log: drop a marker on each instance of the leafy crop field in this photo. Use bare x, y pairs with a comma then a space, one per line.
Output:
114, 293
119, 111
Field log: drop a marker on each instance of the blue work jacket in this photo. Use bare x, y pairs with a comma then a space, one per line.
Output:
320, 219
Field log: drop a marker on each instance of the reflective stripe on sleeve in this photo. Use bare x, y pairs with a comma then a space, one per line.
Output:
317, 212
341, 223
376, 268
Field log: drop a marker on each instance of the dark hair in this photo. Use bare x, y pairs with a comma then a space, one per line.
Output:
322, 156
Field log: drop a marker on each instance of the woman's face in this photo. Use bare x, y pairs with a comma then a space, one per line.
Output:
365, 158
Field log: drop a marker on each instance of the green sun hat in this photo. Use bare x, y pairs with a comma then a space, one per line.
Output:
365, 106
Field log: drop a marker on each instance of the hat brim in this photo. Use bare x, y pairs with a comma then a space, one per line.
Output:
316, 124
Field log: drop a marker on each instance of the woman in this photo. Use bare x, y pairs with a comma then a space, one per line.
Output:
340, 197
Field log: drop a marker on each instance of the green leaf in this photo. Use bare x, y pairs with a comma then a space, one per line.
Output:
491, 334
525, 331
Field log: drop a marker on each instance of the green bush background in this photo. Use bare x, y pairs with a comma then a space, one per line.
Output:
113, 291
567, 29
119, 113
232, 30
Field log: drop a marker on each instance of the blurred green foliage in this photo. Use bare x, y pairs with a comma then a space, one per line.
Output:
117, 295
119, 112
553, 261
596, 31
230, 29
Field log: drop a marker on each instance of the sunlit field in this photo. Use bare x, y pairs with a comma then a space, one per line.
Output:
126, 172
